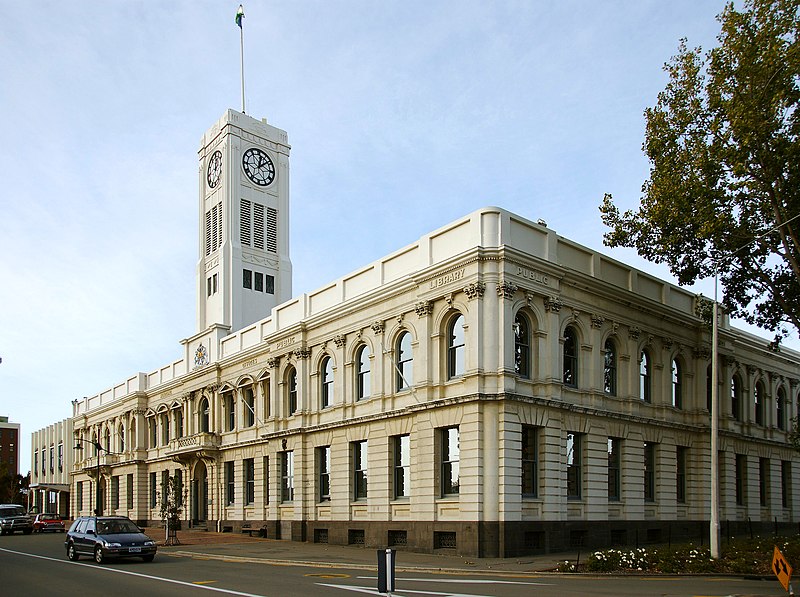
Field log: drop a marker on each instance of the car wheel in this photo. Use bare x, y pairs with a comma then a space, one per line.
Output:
148, 558
98, 555
71, 553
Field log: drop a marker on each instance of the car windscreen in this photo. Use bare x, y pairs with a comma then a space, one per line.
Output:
116, 527
11, 511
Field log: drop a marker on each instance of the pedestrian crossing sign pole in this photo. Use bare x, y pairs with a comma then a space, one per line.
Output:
782, 569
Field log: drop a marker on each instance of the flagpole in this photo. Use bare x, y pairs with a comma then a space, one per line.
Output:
239, 17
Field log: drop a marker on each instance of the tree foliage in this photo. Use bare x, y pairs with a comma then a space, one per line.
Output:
723, 195
172, 498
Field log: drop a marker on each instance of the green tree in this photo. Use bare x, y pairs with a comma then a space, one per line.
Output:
173, 496
724, 187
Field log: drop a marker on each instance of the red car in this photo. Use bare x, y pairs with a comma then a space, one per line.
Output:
48, 522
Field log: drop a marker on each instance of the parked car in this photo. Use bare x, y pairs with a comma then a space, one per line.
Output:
13, 519
104, 537
48, 522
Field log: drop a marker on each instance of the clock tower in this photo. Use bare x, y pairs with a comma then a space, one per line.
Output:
243, 270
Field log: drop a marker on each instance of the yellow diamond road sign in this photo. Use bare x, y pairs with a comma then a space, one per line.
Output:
781, 568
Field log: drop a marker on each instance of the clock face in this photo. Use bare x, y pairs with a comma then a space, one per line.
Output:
214, 169
258, 167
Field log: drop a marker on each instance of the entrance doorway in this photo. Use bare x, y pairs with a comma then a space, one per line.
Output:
199, 494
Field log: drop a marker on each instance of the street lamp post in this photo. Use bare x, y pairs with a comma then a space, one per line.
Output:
714, 520
98, 508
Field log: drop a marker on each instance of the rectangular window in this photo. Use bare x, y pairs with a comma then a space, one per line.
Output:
324, 467
115, 492
230, 484
649, 472
269, 284
574, 472
35, 462
60, 457
247, 278
402, 466
786, 483
530, 461
359, 470
741, 481
52, 459
258, 281
614, 469
450, 461
179, 487
129, 490
249, 481
153, 490
681, 456
287, 476
79, 495
763, 481
265, 466
208, 286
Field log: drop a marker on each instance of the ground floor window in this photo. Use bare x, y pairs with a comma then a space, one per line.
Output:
287, 476
574, 471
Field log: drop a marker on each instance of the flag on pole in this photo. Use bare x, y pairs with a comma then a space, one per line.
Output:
240, 16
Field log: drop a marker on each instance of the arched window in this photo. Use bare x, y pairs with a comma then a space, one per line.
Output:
610, 367
291, 389
780, 409
455, 347
736, 397
108, 440
522, 342
164, 429
249, 407
121, 438
205, 418
677, 384
570, 358
362, 373
326, 382
645, 377
758, 403
405, 362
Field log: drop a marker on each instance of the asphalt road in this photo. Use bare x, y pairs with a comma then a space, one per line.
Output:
33, 565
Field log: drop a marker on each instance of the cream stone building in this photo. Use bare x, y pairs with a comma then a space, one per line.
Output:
51, 468
493, 388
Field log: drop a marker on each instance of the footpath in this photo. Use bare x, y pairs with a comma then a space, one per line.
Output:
242, 547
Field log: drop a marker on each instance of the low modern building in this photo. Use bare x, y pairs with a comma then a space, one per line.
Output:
493, 388
51, 468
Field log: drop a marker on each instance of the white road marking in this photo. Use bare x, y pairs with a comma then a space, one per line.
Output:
465, 581
396, 593
147, 576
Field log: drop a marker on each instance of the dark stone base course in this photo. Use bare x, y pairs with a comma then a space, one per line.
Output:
506, 540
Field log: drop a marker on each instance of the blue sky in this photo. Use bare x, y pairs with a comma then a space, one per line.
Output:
402, 117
